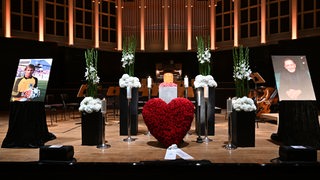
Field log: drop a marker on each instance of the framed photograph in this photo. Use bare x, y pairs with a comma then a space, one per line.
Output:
31, 79
293, 78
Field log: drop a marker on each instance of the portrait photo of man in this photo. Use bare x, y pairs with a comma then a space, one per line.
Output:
293, 78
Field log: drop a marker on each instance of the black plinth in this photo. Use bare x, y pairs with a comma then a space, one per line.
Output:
210, 110
298, 123
243, 128
133, 111
92, 128
27, 126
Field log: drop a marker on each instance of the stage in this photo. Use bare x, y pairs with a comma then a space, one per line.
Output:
144, 157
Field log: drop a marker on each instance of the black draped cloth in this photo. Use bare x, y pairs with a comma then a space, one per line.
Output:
27, 126
299, 123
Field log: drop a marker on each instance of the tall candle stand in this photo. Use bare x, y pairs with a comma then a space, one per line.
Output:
229, 146
198, 123
206, 138
186, 92
103, 145
129, 138
149, 97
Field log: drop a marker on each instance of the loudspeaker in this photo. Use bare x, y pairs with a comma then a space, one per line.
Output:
297, 153
56, 153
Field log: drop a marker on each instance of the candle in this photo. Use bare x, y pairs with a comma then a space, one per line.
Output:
186, 81
205, 92
229, 105
149, 82
103, 106
128, 92
199, 98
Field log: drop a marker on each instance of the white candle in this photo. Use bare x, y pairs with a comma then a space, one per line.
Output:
205, 92
103, 106
186, 81
199, 98
149, 82
229, 105
128, 92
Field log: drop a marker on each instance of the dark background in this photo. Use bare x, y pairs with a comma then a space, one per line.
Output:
68, 67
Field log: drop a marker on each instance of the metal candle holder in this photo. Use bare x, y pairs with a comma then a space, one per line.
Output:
206, 138
198, 123
129, 138
103, 111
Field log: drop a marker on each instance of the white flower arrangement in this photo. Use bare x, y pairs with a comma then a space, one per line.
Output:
243, 104
203, 55
129, 81
202, 81
127, 58
91, 73
90, 104
241, 70
128, 53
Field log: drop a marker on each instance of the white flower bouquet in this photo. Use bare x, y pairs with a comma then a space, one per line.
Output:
243, 104
129, 81
90, 104
202, 81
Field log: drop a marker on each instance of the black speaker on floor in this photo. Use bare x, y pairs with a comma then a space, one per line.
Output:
297, 153
56, 154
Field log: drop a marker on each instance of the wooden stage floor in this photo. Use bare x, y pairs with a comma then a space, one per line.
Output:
146, 149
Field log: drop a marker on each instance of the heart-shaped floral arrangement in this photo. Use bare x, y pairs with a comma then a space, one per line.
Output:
168, 123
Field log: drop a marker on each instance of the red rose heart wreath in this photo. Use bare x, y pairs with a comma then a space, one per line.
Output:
168, 123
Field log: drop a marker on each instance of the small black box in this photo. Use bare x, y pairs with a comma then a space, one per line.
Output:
58, 153
297, 153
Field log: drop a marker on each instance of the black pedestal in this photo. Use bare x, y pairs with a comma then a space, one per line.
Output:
124, 111
299, 124
91, 128
27, 126
210, 110
243, 128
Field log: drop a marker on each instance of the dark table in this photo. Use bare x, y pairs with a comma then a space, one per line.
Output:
27, 126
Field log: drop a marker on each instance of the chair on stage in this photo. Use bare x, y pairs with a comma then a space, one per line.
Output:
69, 104
155, 90
55, 106
112, 95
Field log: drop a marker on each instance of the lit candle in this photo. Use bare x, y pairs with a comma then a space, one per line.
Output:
186, 81
149, 82
205, 92
128, 92
199, 98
